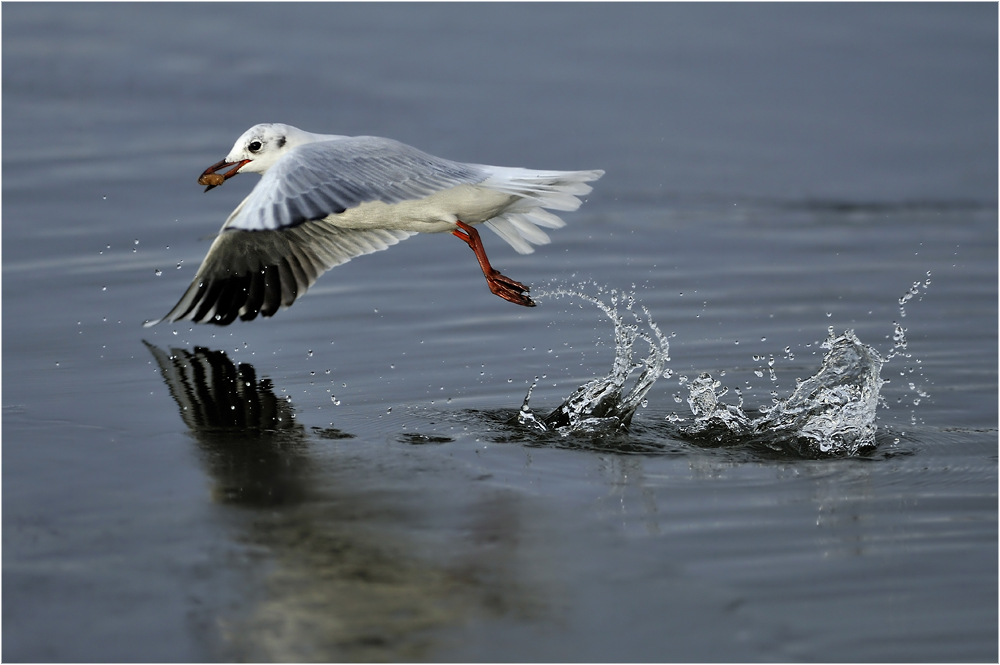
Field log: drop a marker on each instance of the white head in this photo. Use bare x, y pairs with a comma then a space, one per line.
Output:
258, 149
262, 145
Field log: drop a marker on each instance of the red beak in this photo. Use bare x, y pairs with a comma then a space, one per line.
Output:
213, 179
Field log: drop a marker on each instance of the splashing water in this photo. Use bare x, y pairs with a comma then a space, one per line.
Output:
832, 413
914, 291
599, 406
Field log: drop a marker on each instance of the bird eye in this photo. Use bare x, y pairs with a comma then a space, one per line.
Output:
254, 146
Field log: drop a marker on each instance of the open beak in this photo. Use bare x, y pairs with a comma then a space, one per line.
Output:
213, 179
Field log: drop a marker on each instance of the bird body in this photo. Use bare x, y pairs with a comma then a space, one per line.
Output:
436, 213
324, 199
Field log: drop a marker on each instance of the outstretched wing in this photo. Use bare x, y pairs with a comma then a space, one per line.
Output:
328, 177
259, 272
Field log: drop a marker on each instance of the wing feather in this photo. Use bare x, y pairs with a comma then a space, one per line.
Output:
247, 273
255, 296
288, 280
272, 291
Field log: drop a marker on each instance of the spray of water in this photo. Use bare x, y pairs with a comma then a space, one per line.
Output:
602, 405
832, 413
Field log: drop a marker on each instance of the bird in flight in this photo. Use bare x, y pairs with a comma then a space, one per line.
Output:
325, 199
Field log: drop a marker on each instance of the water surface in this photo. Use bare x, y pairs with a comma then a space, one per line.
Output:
341, 482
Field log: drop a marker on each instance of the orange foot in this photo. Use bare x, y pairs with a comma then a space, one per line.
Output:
503, 286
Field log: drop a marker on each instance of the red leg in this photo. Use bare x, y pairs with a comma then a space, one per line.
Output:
502, 286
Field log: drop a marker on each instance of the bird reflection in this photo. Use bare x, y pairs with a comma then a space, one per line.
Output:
341, 581
248, 437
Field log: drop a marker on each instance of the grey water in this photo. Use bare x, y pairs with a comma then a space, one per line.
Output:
349, 480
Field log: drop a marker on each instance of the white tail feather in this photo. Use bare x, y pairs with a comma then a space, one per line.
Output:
545, 218
557, 190
526, 227
503, 228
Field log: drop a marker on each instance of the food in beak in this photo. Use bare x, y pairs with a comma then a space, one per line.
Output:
213, 179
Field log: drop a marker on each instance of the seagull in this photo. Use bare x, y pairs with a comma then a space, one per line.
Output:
324, 199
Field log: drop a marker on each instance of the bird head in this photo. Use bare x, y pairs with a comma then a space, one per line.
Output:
256, 151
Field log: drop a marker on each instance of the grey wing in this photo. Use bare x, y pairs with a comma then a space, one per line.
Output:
329, 177
259, 272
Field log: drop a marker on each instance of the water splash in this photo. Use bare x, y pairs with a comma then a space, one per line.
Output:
602, 406
832, 413
914, 291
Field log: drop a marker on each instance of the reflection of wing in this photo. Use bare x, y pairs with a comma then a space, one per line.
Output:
213, 394
329, 177
251, 272
253, 448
